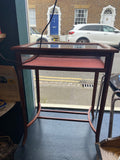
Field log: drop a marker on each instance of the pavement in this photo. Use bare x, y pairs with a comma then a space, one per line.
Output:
69, 92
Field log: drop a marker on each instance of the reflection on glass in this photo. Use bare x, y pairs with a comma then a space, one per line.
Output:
67, 45
79, 46
54, 46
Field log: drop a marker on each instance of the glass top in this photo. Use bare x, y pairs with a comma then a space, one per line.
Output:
68, 46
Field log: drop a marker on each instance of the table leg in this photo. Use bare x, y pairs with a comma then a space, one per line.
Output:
108, 68
37, 87
94, 93
23, 102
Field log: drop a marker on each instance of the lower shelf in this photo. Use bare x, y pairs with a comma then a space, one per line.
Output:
65, 63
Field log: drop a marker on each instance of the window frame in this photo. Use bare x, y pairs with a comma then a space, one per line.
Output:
81, 19
32, 17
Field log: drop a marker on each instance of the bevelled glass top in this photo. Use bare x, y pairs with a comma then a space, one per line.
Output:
67, 46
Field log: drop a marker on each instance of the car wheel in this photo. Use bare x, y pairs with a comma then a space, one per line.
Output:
83, 40
43, 40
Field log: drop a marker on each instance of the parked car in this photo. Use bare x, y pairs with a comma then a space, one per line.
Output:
35, 36
95, 33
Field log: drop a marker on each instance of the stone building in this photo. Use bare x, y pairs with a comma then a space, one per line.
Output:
70, 12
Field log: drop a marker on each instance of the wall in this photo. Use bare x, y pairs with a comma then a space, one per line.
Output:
11, 124
21, 13
13, 22
8, 24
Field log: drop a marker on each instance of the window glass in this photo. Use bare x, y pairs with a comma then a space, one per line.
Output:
55, 11
91, 28
33, 30
70, 88
32, 17
108, 11
80, 16
108, 29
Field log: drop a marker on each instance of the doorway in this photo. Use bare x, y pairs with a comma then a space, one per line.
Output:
108, 15
54, 27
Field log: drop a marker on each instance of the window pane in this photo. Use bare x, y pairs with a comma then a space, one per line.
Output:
80, 16
108, 29
63, 21
92, 28
32, 17
108, 11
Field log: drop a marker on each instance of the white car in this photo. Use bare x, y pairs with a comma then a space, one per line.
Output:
94, 33
35, 36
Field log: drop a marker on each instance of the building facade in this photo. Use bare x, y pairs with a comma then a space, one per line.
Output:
69, 12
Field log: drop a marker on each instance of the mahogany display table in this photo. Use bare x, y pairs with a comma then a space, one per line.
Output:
66, 57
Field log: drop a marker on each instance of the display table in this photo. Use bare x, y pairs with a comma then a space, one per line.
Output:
66, 57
